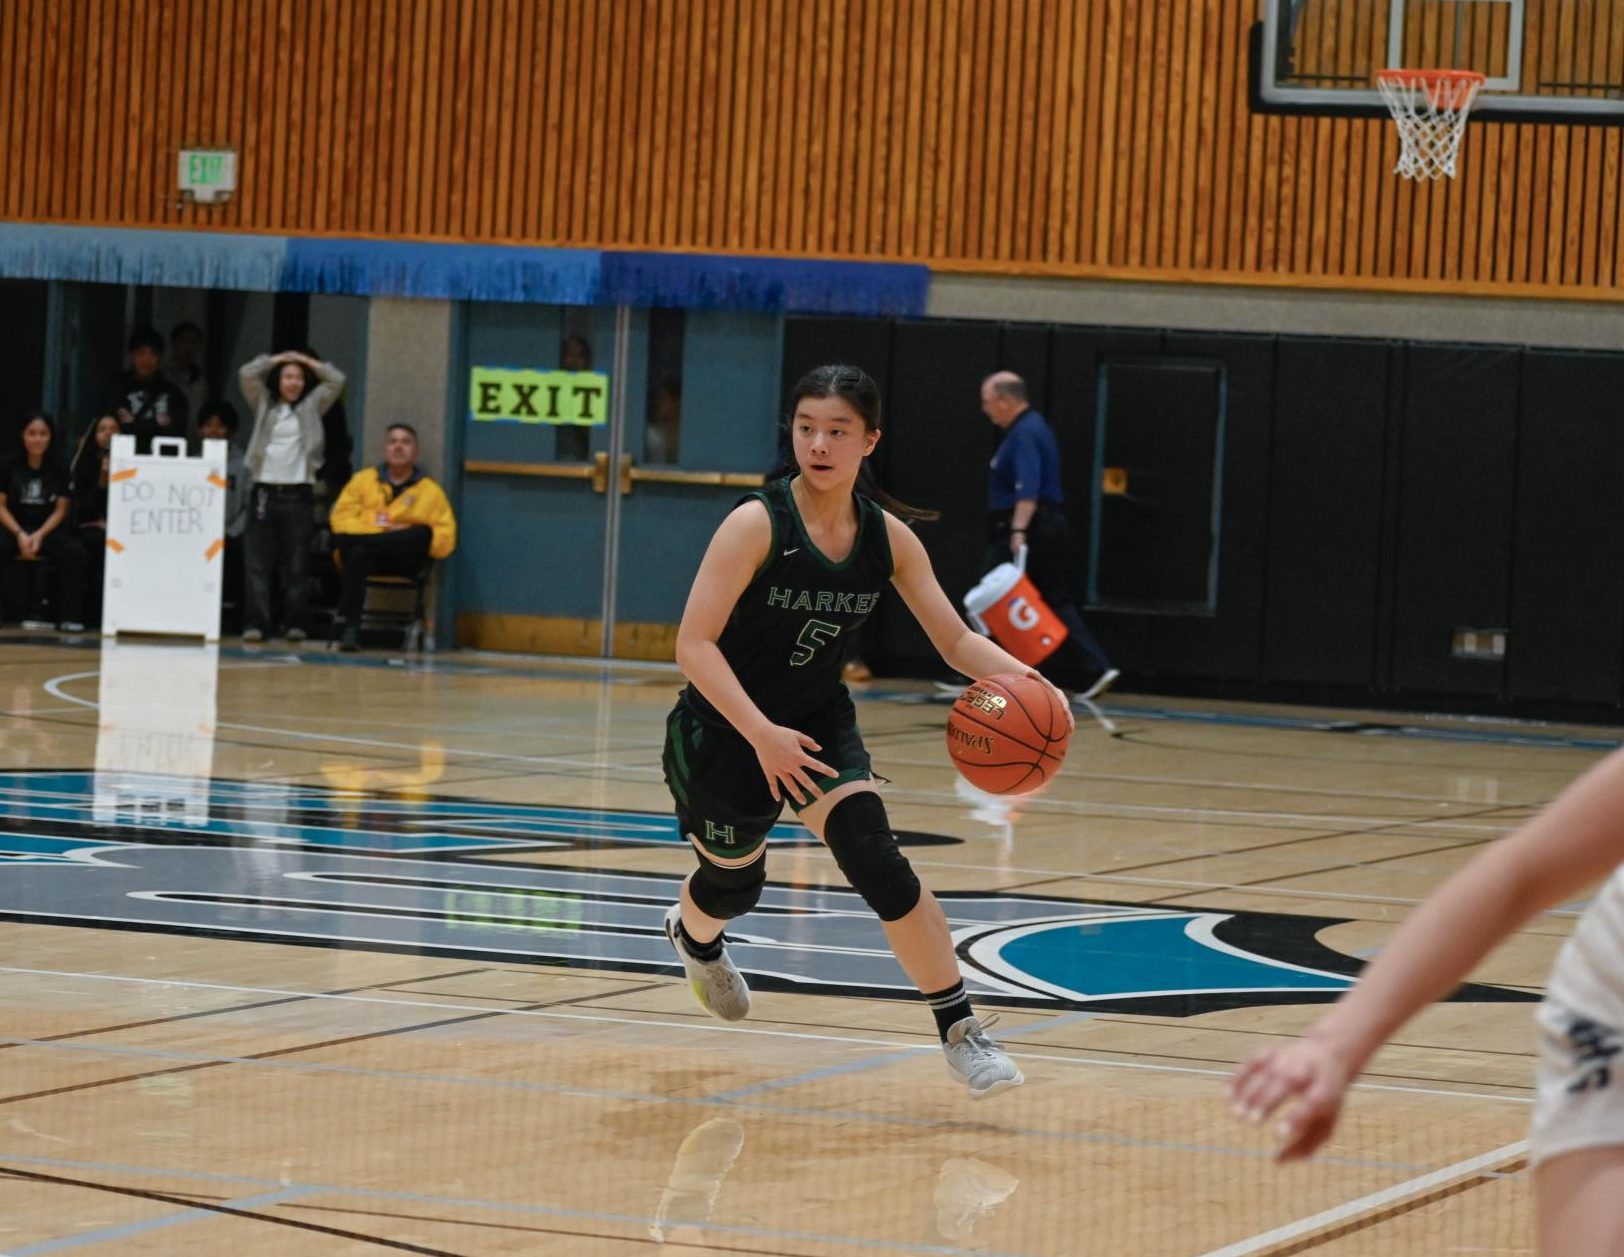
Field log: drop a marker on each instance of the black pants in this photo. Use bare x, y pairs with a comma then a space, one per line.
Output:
62, 548
93, 537
281, 522
231, 586
398, 553
1080, 659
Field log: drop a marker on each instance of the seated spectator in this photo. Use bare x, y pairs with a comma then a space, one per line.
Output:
289, 393
88, 483
34, 501
389, 520
218, 422
146, 403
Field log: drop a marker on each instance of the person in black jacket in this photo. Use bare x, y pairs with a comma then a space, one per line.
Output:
147, 404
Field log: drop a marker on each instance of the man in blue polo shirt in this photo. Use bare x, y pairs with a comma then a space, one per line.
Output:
1026, 509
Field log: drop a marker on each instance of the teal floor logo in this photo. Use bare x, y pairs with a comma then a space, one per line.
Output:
298, 865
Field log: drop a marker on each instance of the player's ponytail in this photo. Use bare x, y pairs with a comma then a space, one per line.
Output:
857, 389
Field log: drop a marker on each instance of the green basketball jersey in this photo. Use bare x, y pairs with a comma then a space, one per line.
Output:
787, 637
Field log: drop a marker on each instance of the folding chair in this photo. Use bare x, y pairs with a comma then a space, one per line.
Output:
412, 622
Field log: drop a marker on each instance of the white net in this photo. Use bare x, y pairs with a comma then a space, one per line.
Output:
1430, 107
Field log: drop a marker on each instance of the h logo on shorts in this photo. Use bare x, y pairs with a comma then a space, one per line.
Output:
719, 833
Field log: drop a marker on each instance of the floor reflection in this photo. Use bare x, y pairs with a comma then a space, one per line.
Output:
155, 738
966, 1192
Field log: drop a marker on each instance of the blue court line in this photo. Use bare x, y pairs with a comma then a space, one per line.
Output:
828, 1071
682, 1101
880, 1062
129, 1229
640, 1221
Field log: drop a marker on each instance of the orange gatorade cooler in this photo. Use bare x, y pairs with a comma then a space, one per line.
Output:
1007, 607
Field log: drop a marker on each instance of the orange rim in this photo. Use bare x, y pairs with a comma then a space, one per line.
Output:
1442, 86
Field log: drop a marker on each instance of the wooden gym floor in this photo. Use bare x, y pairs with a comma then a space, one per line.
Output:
314, 955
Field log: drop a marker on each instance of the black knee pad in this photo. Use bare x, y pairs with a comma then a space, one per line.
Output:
725, 893
860, 839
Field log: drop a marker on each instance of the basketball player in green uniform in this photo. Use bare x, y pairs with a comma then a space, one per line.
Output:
791, 572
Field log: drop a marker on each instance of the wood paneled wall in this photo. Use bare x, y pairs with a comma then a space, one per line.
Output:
1086, 137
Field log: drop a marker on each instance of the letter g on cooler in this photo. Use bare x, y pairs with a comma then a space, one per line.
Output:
1022, 617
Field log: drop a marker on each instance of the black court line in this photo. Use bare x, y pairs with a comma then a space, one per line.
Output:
350, 749
619, 989
1273, 879
302, 1047
309, 742
393, 984
667, 1245
187, 1202
1358, 832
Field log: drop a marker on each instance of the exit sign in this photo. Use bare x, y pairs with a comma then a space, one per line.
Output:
208, 174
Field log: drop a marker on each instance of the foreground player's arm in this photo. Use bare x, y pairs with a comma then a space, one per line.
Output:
958, 644
735, 554
1571, 844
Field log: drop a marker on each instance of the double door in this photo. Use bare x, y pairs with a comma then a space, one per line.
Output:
584, 539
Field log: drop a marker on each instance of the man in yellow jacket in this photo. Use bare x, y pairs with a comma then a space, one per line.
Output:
389, 520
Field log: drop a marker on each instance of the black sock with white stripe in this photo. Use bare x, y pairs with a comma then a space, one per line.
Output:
706, 952
948, 1007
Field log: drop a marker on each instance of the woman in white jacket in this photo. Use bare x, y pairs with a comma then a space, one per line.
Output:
288, 393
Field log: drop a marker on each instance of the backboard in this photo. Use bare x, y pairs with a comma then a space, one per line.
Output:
1545, 60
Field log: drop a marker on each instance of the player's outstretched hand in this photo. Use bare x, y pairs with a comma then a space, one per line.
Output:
1305, 1081
1065, 704
785, 758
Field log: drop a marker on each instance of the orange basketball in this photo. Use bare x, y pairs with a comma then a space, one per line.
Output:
1007, 734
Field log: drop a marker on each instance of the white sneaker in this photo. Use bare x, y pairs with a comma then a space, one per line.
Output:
967, 1189
977, 1061
1106, 680
718, 985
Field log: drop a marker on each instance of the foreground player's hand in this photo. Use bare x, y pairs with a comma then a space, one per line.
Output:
1065, 706
1305, 1082
786, 760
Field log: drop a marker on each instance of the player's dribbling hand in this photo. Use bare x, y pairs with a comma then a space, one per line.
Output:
783, 753
1309, 1074
1059, 697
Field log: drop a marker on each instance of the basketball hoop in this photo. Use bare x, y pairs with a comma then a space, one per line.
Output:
1430, 107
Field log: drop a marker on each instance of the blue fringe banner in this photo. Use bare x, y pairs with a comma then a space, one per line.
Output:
456, 272
710, 282
459, 272
172, 259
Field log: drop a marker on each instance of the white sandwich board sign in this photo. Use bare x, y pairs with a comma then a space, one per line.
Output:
166, 514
